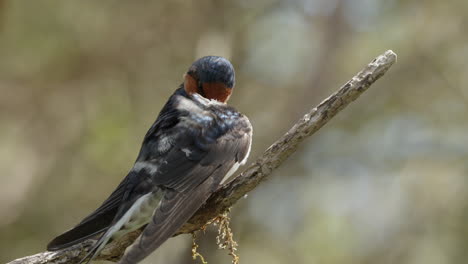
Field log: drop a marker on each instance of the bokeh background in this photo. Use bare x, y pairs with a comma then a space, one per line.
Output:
384, 182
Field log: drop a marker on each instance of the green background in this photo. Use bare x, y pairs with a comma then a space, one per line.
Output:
384, 182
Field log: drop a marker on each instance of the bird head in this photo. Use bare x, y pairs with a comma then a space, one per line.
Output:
212, 77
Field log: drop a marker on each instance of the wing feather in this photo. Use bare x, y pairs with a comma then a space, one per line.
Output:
192, 159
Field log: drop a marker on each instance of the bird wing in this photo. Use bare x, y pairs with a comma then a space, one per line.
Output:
190, 181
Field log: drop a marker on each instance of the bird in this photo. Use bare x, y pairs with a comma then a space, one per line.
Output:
192, 149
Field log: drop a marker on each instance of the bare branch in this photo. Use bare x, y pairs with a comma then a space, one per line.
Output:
260, 170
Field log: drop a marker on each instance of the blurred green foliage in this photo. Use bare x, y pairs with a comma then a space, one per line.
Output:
384, 182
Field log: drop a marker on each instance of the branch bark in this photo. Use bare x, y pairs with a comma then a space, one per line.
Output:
257, 172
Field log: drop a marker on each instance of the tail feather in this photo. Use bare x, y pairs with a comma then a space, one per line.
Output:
82, 232
97, 247
95, 223
123, 224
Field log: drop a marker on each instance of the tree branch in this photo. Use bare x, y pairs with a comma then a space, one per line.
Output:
229, 194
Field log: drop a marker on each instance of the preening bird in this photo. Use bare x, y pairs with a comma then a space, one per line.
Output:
194, 146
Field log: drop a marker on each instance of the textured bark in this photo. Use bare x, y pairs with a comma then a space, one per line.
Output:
271, 159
